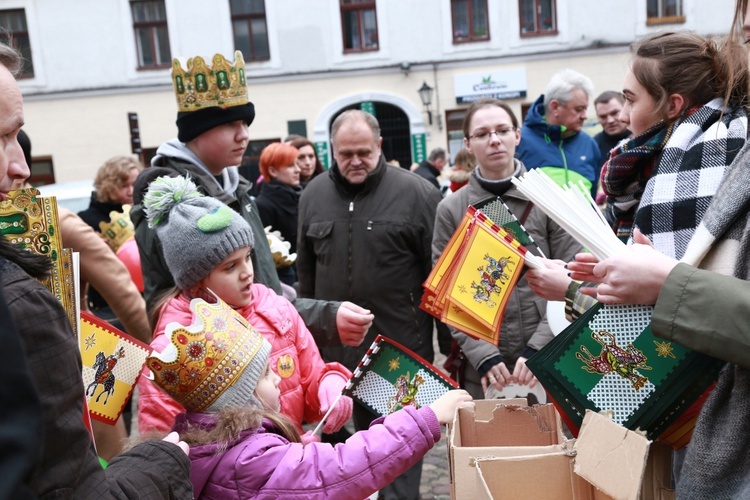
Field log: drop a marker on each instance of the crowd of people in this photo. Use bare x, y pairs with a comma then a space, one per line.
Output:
670, 167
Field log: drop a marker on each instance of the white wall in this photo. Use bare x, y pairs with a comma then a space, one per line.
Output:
86, 78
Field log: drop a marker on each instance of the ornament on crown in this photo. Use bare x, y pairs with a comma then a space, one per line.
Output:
200, 87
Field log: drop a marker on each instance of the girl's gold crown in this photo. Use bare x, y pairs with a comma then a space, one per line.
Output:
201, 86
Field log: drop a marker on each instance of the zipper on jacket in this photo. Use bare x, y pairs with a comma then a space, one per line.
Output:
564, 159
350, 250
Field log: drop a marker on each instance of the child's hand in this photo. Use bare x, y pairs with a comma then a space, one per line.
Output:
308, 437
174, 438
445, 406
331, 386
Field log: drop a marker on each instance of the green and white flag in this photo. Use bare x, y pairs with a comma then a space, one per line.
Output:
610, 360
390, 376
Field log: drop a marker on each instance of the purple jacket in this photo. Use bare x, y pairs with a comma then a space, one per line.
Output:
262, 464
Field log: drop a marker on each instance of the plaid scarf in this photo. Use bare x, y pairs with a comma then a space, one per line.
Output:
625, 174
689, 171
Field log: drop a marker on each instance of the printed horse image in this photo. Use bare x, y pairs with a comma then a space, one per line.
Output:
104, 376
615, 359
406, 392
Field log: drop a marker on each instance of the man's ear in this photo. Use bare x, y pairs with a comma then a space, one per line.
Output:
554, 104
675, 106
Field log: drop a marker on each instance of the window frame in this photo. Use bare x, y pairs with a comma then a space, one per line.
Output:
661, 18
248, 18
151, 25
537, 19
359, 6
470, 38
11, 38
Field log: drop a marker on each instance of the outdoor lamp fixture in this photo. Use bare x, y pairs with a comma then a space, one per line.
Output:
425, 94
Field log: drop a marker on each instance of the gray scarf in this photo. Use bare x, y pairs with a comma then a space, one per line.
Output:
717, 464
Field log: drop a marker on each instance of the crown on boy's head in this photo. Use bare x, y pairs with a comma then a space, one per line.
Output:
201, 87
213, 363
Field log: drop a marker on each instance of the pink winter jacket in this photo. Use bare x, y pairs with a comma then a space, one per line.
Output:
294, 357
262, 464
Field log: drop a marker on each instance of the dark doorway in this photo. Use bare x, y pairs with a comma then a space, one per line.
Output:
394, 129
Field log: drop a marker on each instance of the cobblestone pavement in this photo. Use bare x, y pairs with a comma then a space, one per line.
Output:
435, 484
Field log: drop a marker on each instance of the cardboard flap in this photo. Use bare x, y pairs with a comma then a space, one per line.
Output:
514, 478
465, 417
611, 457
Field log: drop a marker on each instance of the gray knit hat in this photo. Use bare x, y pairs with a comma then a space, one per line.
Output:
196, 232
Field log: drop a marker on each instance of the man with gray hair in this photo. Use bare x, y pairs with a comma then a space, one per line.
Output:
432, 167
551, 138
365, 234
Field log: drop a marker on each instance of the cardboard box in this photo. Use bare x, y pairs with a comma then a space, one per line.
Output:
505, 449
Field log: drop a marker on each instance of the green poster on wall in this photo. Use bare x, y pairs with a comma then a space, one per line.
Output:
367, 107
418, 148
321, 148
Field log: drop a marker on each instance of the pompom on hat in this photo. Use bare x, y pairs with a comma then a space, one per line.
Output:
196, 232
213, 363
210, 96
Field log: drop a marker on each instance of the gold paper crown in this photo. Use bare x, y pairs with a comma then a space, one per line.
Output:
119, 229
31, 221
201, 87
206, 358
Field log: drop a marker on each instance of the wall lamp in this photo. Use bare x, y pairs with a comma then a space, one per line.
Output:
425, 94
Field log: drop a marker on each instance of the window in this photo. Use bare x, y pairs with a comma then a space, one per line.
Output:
664, 12
359, 25
13, 31
469, 21
537, 17
151, 34
250, 30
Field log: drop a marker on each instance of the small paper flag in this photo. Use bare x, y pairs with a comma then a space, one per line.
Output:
112, 363
390, 376
472, 280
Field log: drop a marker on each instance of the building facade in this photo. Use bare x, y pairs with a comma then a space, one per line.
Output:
98, 71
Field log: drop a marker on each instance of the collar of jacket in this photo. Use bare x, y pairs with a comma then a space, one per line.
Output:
348, 190
431, 167
105, 206
281, 188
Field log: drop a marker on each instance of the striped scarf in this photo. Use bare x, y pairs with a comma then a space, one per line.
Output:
625, 174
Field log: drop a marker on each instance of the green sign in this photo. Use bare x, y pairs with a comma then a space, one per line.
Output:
418, 148
367, 107
321, 148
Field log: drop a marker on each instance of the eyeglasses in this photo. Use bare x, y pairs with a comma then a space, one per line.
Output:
484, 136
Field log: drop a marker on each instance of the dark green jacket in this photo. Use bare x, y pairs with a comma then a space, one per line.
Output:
371, 246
